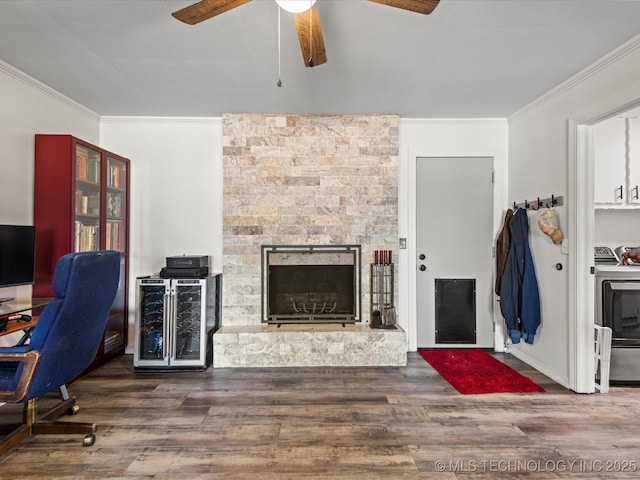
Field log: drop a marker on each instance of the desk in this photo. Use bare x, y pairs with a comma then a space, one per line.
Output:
17, 306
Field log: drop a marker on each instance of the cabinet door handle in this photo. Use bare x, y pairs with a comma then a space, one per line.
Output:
635, 192
167, 324
619, 196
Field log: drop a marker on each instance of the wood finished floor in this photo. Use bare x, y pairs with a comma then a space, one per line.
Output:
331, 423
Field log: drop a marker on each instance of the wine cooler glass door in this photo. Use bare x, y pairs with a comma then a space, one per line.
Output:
154, 307
188, 344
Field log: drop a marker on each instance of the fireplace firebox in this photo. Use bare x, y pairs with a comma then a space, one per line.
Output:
311, 284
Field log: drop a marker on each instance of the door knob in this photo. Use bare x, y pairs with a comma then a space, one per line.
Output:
422, 268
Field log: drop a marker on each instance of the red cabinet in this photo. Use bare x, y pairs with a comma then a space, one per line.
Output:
81, 203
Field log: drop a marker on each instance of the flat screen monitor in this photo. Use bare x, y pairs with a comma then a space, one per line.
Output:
17, 254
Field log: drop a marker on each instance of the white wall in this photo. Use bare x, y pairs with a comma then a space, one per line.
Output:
615, 228
176, 190
443, 138
29, 107
542, 160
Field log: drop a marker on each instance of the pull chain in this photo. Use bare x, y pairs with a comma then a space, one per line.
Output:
310, 34
279, 82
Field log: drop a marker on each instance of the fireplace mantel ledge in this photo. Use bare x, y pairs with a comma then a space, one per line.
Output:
302, 327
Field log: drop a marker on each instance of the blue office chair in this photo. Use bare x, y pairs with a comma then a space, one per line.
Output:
63, 344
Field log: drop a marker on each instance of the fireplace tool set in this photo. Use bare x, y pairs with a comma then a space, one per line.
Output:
383, 313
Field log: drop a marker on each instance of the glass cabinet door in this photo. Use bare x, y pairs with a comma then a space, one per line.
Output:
116, 204
151, 322
189, 315
87, 199
115, 334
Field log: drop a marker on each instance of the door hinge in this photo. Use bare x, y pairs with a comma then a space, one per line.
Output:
592, 270
493, 177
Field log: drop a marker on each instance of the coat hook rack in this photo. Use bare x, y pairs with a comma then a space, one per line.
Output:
550, 202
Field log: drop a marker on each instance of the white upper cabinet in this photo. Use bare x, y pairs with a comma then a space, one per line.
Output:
617, 163
633, 140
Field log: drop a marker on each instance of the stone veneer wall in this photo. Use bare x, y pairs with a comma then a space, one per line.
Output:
304, 180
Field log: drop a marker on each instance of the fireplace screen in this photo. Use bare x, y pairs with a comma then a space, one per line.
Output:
310, 284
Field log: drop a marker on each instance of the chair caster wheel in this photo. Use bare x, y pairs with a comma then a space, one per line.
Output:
89, 440
73, 410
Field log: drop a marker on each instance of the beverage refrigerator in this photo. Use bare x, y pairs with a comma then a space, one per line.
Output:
175, 322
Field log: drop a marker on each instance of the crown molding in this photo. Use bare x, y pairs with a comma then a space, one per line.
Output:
605, 62
162, 120
453, 121
40, 87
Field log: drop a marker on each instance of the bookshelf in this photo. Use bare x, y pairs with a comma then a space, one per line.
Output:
81, 203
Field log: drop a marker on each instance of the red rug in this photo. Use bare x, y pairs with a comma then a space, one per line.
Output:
475, 371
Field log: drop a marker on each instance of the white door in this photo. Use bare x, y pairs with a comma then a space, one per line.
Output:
454, 247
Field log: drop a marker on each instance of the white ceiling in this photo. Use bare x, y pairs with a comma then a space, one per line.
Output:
469, 58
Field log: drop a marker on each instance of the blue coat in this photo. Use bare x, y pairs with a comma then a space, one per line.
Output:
519, 295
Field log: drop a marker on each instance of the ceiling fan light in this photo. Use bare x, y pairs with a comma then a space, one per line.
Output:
296, 6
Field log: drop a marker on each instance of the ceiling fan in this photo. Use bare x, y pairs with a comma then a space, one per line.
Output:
307, 21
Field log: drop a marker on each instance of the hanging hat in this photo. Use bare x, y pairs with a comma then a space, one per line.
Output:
548, 223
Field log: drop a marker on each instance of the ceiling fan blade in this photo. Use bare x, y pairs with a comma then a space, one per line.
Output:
310, 37
205, 9
418, 6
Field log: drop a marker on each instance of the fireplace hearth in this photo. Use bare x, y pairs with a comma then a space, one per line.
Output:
311, 284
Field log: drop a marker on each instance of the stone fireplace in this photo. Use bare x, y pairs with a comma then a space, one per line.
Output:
311, 284
304, 180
